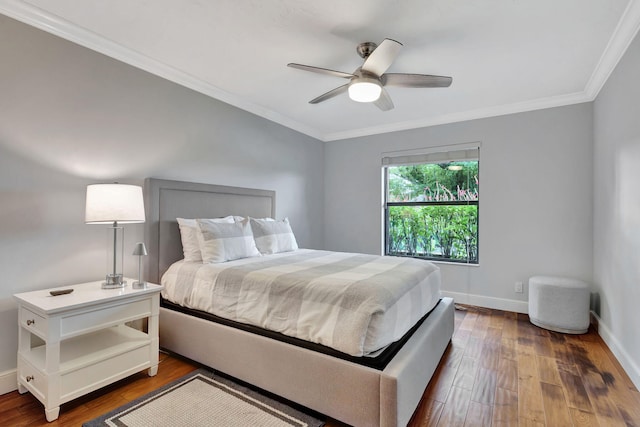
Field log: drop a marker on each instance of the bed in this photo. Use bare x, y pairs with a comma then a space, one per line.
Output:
341, 388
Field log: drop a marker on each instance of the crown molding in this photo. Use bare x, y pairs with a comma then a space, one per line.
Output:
623, 35
619, 42
481, 113
62, 28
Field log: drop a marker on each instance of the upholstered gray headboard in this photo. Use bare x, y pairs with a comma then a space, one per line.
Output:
167, 200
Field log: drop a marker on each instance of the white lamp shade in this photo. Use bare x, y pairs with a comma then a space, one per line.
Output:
140, 249
107, 203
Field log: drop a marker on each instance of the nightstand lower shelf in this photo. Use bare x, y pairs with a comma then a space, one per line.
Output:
87, 363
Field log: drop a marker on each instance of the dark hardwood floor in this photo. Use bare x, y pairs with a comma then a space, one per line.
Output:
499, 370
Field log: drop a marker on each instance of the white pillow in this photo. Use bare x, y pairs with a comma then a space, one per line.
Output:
273, 237
189, 235
226, 242
240, 218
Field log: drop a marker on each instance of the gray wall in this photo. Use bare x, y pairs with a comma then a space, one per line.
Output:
70, 117
617, 210
535, 198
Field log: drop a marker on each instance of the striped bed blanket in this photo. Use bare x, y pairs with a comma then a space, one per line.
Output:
355, 303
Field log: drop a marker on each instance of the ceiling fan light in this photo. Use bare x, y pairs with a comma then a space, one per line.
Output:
365, 90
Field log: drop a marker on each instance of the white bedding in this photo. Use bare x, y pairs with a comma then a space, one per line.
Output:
357, 304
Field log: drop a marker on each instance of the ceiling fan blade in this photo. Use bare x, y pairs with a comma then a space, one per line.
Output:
384, 102
333, 92
319, 70
382, 57
415, 80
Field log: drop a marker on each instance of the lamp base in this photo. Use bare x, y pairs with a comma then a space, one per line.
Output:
139, 285
114, 281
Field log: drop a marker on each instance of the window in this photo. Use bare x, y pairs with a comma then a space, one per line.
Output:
431, 206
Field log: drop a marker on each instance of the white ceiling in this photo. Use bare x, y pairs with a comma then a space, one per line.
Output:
504, 56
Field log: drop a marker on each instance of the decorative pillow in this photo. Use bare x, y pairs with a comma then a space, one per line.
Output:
189, 235
226, 242
273, 237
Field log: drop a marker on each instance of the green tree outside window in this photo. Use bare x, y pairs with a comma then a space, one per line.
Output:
432, 211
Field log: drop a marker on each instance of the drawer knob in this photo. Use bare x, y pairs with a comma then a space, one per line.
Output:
29, 378
30, 322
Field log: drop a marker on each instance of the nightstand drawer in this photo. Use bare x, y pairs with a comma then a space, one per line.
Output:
102, 317
33, 379
34, 322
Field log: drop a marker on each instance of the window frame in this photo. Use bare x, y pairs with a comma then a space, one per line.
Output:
387, 205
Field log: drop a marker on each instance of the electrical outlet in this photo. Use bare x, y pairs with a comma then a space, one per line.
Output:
518, 288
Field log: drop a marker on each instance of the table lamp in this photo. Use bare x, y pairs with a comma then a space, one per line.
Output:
140, 250
114, 204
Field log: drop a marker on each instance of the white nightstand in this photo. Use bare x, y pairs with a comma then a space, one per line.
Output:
70, 345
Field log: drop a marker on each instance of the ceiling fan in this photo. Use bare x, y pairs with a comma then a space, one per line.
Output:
367, 83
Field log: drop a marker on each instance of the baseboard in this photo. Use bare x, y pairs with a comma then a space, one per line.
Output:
8, 381
618, 350
488, 302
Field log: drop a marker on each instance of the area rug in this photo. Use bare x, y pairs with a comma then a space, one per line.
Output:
203, 398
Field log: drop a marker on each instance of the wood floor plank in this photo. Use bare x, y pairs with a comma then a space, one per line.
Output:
497, 319
466, 374
493, 335
525, 344
562, 353
455, 409
527, 365
469, 321
555, 405
427, 414
453, 357
575, 392
490, 357
478, 415
505, 409
530, 404
548, 370
525, 422
616, 388
458, 317
461, 337
481, 324
440, 384
510, 325
543, 346
604, 407
570, 368
484, 388
525, 327
508, 349
474, 348
508, 374
581, 418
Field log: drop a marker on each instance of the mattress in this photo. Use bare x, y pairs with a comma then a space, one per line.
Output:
354, 303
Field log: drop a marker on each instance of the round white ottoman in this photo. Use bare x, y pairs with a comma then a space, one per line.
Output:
559, 304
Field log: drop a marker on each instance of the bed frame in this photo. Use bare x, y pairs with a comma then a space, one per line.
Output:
354, 394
